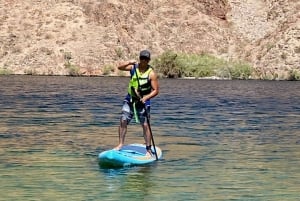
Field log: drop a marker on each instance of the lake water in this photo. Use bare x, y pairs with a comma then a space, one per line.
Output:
221, 140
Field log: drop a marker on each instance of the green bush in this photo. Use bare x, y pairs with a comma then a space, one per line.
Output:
73, 70
294, 75
5, 71
167, 65
176, 65
108, 69
240, 70
203, 65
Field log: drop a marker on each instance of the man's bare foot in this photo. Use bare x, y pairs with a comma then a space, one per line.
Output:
117, 148
149, 153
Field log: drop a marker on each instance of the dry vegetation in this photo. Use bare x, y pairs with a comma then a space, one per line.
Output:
88, 37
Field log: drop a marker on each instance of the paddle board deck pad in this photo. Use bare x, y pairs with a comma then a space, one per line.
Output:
129, 155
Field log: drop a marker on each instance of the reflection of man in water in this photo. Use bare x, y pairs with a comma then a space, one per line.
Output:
127, 183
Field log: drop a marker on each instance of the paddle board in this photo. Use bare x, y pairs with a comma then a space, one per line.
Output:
129, 155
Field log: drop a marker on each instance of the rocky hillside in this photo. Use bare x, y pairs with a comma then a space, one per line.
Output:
50, 37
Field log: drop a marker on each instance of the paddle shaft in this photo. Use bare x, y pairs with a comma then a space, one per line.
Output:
152, 138
147, 116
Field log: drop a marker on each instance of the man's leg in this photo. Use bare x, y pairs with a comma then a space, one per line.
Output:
122, 134
147, 134
124, 121
146, 130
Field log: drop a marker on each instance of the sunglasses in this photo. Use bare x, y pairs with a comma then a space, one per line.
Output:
144, 58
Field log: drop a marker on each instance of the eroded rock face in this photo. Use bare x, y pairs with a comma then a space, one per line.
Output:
272, 31
55, 36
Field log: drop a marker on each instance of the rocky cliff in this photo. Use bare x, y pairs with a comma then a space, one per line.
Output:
48, 36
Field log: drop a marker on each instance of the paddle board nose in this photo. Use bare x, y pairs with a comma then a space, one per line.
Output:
107, 154
110, 155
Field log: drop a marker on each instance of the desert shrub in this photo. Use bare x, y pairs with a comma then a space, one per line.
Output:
294, 75
5, 71
167, 65
121, 73
176, 65
73, 70
119, 53
30, 71
108, 69
239, 70
202, 65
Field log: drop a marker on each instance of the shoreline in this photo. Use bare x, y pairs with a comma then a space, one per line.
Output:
126, 76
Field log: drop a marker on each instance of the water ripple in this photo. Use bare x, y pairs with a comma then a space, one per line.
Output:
222, 140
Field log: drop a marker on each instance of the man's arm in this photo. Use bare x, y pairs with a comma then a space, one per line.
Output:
126, 66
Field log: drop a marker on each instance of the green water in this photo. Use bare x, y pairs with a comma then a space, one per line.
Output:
222, 140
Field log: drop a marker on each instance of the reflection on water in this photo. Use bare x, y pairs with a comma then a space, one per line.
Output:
134, 182
222, 140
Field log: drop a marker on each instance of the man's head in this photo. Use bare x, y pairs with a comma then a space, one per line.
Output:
145, 55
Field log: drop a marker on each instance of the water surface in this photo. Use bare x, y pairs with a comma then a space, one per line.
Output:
222, 140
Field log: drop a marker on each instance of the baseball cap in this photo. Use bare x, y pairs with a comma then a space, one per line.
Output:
145, 53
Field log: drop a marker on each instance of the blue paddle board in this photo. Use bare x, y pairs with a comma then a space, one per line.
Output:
129, 155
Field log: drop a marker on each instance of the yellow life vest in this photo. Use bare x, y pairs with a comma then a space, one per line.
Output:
139, 82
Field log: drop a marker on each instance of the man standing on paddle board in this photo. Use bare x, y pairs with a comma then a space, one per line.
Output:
142, 87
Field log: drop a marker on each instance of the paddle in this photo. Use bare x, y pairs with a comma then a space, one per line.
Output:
147, 115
